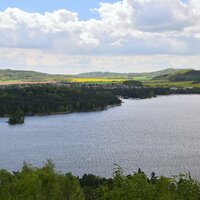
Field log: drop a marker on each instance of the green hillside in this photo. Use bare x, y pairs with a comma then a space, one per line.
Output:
127, 75
28, 76
170, 74
180, 76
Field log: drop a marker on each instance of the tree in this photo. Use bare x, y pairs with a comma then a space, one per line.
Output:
133, 83
16, 118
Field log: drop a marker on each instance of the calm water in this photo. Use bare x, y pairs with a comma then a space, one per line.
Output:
160, 134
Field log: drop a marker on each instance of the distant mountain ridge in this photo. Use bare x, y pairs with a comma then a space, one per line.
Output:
28, 76
126, 75
169, 74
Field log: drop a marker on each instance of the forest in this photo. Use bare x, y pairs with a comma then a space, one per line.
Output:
47, 99
17, 102
149, 92
46, 183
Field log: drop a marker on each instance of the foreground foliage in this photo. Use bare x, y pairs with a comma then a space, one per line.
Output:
39, 184
47, 184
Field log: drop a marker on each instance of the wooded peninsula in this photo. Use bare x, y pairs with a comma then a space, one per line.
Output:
45, 99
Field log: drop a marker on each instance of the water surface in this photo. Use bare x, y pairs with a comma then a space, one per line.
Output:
160, 134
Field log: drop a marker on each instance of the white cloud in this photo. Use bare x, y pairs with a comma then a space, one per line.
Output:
162, 15
54, 62
195, 6
125, 28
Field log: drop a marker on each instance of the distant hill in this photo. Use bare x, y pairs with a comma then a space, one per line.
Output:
100, 75
181, 75
126, 75
28, 76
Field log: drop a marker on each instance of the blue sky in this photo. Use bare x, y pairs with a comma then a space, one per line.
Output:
82, 7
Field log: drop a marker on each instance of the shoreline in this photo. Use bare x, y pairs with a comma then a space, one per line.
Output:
102, 109
67, 112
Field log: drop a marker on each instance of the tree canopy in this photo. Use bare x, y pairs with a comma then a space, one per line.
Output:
46, 184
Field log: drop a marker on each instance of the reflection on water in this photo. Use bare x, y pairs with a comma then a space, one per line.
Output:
160, 134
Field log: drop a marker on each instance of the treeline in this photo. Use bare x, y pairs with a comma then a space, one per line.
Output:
149, 92
139, 93
49, 99
47, 184
18, 102
168, 91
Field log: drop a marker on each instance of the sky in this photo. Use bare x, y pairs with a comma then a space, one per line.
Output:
65, 36
83, 9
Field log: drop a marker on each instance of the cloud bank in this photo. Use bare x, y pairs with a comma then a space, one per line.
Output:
128, 29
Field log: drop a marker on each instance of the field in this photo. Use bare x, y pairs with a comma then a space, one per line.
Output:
164, 78
106, 80
98, 80
2, 83
145, 80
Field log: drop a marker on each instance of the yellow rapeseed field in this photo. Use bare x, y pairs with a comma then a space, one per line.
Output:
97, 80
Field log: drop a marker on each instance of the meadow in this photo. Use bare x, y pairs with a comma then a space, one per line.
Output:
145, 80
98, 80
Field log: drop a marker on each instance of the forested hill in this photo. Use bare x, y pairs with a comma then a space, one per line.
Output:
182, 75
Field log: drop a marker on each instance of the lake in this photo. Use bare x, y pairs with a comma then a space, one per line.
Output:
160, 134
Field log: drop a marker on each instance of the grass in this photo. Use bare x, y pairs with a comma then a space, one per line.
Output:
15, 82
141, 78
